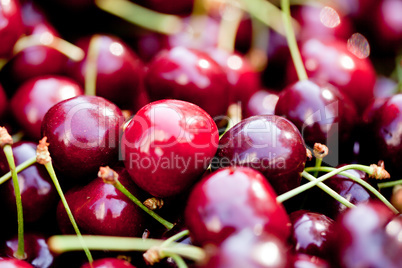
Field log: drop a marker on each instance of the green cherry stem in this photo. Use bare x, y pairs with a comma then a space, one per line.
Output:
43, 157
177, 259
64, 243
18, 169
398, 70
319, 151
91, 69
292, 43
228, 26
141, 16
359, 181
110, 176
175, 237
388, 184
8, 151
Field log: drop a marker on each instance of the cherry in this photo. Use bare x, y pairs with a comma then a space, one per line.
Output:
310, 233
108, 263
306, 261
359, 238
189, 75
34, 19
168, 145
247, 249
83, 133
331, 61
36, 250
261, 102
37, 191
180, 7
14, 263
269, 144
118, 69
35, 97
231, 200
99, 208
3, 102
12, 27
321, 113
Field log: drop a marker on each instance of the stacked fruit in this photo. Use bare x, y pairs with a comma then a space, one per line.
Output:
200, 133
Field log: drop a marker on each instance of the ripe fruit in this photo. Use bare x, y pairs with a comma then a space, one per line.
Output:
11, 26
109, 263
168, 145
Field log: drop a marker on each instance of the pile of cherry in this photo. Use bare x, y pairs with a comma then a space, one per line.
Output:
198, 133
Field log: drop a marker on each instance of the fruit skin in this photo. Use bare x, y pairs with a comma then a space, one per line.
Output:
109, 263
268, 143
190, 75
14, 263
3, 102
100, 209
306, 261
168, 145
230, 200
83, 133
35, 97
38, 193
11, 26
261, 102
246, 249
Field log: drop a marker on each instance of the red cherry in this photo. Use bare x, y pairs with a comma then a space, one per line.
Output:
3, 102
168, 145
83, 133
180, 7
231, 200
190, 75
34, 19
100, 209
306, 261
261, 102
35, 97
14, 263
11, 26
268, 143
108, 263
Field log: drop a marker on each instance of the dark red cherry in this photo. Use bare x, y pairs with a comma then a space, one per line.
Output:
321, 21
248, 249
14, 263
34, 19
393, 233
36, 249
100, 209
310, 233
384, 87
180, 7
331, 61
108, 263
261, 102
147, 44
3, 102
268, 143
321, 113
11, 26
38, 194
359, 238
35, 97
306, 261
118, 68
231, 200
83, 133
168, 145
190, 75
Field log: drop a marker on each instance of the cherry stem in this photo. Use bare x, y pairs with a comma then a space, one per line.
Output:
141, 16
64, 243
234, 116
257, 55
388, 184
8, 151
47, 39
18, 169
123, 189
359, 181
175, 237
292, 43
398, 70
91, 69
318, 162
52, 174
177, 259
230, 21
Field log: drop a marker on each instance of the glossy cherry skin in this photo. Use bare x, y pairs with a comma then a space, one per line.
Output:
35, 97
231, 200
306, 261
268, 143
359, 239
109, 263
14, 263
3, 102
331, 61
393, 232
248, 249
83, 133
310, 233
168, 145
320, 112
180, 7
189, 75
100, 209
38, 193
36, 249
34, 19
11, 26
261, 102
